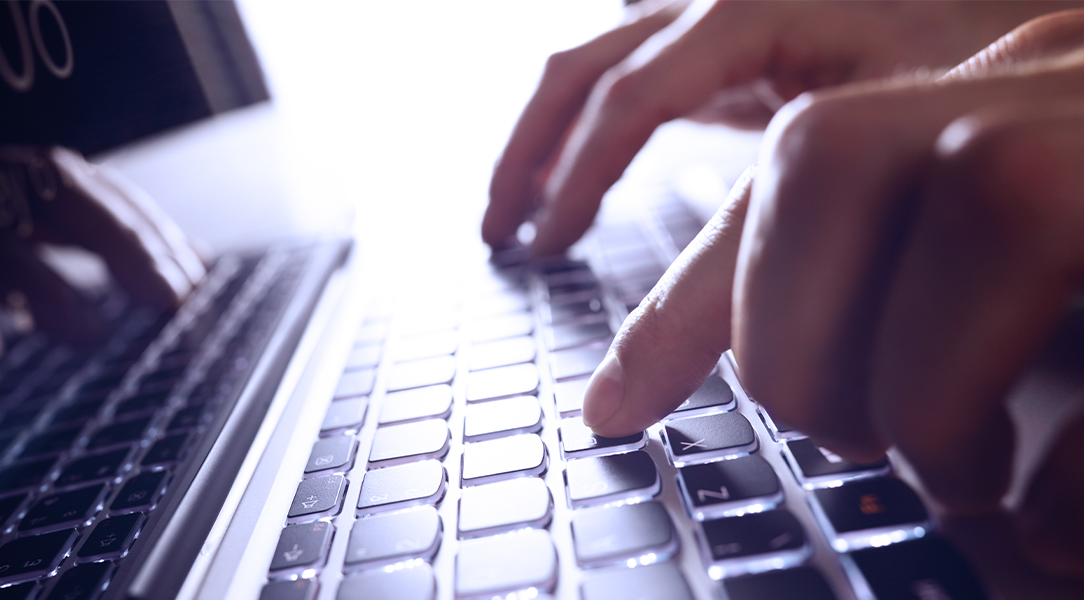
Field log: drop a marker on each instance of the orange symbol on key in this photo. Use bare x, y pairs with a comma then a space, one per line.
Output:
870, 504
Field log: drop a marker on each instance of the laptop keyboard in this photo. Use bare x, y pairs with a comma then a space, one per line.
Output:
452, 463
92, 441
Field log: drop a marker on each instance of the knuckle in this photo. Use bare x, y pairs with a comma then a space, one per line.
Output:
1014, 174
624, 90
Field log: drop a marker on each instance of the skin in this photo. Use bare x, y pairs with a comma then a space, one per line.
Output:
909, 246
96, 209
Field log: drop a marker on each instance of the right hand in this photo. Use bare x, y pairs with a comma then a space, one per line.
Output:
730, 62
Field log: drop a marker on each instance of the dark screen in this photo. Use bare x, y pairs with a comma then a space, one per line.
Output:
99, 74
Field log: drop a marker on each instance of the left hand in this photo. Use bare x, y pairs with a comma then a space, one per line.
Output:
52, 194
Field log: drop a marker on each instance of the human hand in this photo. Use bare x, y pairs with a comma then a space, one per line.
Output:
732, 62
908, 249
53, 195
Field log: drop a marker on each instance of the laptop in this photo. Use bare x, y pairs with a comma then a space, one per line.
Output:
326, 419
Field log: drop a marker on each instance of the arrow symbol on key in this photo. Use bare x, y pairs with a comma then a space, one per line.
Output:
293, 554
308, 503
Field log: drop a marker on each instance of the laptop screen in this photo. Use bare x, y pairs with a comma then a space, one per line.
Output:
94, 75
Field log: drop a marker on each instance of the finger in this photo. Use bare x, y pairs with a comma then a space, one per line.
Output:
831, 209
671, 342
57, 308
672, 74
566, 81
179, 248
989, 273
1030, 44
1050, 522
89, 212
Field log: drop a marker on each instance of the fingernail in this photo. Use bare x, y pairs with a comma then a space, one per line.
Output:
604, 392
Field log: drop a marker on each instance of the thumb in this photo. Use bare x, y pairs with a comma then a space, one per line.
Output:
671, 342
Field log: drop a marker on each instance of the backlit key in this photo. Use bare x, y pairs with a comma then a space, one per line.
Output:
871, 512
606, 479
703, 439
729, 487
496, 565
392, 537
614, 534
504, 458
402, 486
498, 507
413, 405
515, 380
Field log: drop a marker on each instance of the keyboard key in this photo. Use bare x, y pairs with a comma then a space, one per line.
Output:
502, 327
371, 333
123, 432
317, 496
84, 582
412, 583
587, 311
662, 581
578, 362
573, 335
334, 452
34, 556
363, 357
606, 479
413, 405
805, 583
140, 492
819, 467
167, 450
499, 418
729, 487
189, 417
302, 546
495, 305
498, 507
502, 353
355, 383
926, 568
425, 320
53, 441
143, 403
614, 534
393, 537
854, 509
92, 468
112, 537
344, 414
753, 542
397, 444
427, 346
504, 458
24, 475
516, 380
504, 563
402, 486
702, 439
66, 508
713, 396
577, 291
420, 373
79, 412
297, 589
578, 441
568, 396
8, 506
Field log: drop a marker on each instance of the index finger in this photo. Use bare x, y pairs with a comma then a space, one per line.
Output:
565, 85
669, 76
